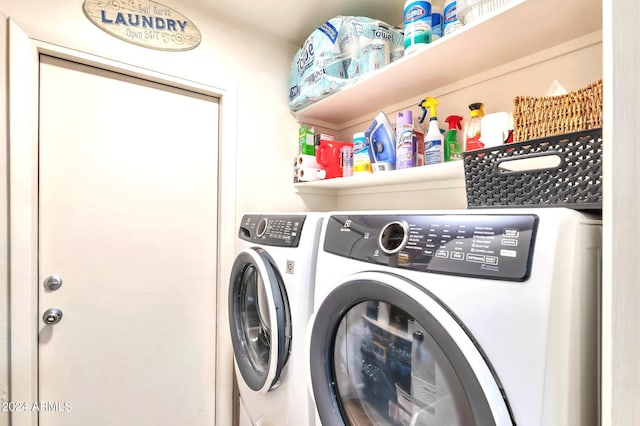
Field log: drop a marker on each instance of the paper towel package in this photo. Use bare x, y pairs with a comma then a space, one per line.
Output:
369, 43
337, 53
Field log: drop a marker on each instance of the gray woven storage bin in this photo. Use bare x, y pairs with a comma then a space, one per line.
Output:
574, 180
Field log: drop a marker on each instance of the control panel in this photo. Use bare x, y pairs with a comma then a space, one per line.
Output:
272, 230
487, 246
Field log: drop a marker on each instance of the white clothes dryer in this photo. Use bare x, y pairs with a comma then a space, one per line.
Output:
469, 317
270, 301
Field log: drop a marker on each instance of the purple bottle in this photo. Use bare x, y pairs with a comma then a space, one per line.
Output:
405, 141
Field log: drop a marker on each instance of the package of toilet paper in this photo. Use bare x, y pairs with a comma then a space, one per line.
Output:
317, 69
338, 53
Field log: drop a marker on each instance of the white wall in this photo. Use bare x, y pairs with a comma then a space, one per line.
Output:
256, 64
529, 76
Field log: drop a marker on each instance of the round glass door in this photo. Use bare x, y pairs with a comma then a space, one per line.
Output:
385, 352
255, 319
390, 371
259, 319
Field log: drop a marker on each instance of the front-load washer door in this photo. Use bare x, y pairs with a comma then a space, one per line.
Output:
384, 351
259, 318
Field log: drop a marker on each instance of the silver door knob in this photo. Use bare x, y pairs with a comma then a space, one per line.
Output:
52, 316
52, 282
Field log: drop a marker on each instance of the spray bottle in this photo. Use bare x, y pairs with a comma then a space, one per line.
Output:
433, 140
452, 148
472, 133
405, 141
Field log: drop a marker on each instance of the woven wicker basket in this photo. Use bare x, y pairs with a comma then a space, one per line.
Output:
539, 117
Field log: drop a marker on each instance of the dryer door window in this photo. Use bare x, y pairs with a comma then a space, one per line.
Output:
259, 318
387, 352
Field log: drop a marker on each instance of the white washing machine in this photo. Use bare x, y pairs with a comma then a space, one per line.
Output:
474, 317
270, 301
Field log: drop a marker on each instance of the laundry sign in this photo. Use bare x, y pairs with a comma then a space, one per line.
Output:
144, 22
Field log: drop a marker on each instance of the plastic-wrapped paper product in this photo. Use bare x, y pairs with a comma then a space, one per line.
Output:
337, 53
397, 48
317, 69
372, 45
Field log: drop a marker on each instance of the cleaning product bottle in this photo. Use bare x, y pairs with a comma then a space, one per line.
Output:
405, 141
433, 140
361, 161
417, 24
418, 131
452, 148
451, 22
436, 21
472, 132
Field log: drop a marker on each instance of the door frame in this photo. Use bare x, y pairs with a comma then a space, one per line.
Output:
22, 200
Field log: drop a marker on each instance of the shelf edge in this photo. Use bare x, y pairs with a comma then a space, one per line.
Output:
423, 176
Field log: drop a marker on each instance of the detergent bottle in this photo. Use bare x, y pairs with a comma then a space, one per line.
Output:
433, 140
472, 132
452, 148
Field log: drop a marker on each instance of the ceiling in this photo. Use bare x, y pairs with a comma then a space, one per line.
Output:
295, 20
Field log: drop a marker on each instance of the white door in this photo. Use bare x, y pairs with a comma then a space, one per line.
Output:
127, 219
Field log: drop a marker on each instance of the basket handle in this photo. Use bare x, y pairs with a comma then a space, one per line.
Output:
538, 162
